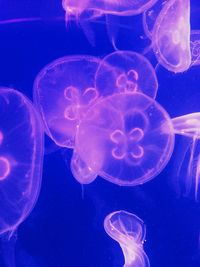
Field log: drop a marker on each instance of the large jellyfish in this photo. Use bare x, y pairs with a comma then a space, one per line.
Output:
129, 231
21, 158
125, 138
170, 34
63, 91
128, 139
127, 71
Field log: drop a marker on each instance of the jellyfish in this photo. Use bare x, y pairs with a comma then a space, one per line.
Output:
125, 138
63, 91
129, 231
87, 11
21, 158
170, 34
127, 71
74, 8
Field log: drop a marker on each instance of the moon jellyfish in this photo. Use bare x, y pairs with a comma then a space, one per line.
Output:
171, 35
129, 231
63, 91
21, 157
125, 138
127, 71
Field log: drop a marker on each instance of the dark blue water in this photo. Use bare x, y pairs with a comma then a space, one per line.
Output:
66, 226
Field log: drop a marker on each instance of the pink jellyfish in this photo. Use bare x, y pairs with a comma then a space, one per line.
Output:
127, 71
86, 11
63, 91
125, 138
75, 8
21, 158
170, 34
129, 231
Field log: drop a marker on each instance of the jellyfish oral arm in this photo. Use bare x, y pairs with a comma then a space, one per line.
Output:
187, 125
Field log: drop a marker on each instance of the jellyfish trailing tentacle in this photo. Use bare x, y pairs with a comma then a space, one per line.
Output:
189, 126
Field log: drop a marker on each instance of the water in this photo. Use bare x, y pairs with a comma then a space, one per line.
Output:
66, 226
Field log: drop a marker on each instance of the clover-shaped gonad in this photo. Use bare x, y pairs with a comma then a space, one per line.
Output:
127, 82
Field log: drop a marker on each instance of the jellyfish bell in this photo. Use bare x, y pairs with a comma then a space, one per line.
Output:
171, 35
126, 71
21, 156
82, 173
63, 91
127, 131
129, 231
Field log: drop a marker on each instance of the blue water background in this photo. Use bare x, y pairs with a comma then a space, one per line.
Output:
65, 229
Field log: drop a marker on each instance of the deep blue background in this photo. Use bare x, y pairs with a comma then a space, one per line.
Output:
66, 226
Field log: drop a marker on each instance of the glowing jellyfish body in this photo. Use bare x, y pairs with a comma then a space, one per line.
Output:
21, 156
100, 7
63, 91
129, 231
127, 71
189, 125
171, 35
125, 138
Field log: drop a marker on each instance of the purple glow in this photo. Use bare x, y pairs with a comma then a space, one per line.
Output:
125, 138
21, 155
64, 90
170, 34
129, 231
121, 8
127, 71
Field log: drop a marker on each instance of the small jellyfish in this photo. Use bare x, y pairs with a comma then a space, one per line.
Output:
21, 158
125, 138
63, 91
127, 71
170, 35
129, 231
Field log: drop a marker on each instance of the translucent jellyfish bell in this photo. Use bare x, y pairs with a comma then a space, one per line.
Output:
171, 35
129, 231
127, 71
125, 138
21, 157
63, 91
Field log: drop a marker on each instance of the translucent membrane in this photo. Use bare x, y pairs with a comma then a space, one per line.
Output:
114, 7
125, 138
126, 71
129, 231
195, 47
63, 91
189, 125
21, 156
171, 35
